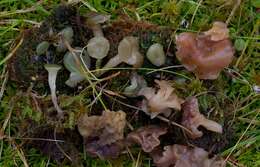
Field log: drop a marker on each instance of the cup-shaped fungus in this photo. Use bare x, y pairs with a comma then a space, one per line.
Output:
192, 119
137, 83
156, 55
94, 20
183, 156
98, 46
205, 54
161, 101
75, 62
128, 52
103, 132
42, 48
52, 75
67, 35
147, 137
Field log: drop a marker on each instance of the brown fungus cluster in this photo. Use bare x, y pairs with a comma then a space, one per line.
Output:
147, 137
205, 54
105, 135
192, 119
183, 156
160, 101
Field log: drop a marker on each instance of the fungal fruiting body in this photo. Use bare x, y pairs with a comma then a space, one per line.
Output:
192, 119
137, 83
102, 134
205, 54
155, 54
67, 35
182, 156
75, 61
128, 52
52, 75
147, 137
161, 101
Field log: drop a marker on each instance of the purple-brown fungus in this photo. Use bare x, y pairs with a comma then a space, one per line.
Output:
205, 54
192, 119
183, 156
147, 137
102, 134
160, 101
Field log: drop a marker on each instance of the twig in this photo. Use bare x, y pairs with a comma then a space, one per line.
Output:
7, 13
11, 21
173, 123
3, 85
12, 52
57, 144
233, 11
193, 16
37, 139
21, 11
20, 154
241, 137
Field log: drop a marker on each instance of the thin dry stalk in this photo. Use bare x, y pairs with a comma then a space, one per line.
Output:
57, 144
21, 11
12, 52
3, 86
233, 11
242, 136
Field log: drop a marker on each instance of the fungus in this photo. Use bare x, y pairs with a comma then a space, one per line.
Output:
42, 48
218, 32
137, 83
98, 46
205, 54
156, 55
161, 101
192, 119
94, 20
128, 52
52, 75
103, 151
75, 66
104, 131
183, 156
67, 35
147, 137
